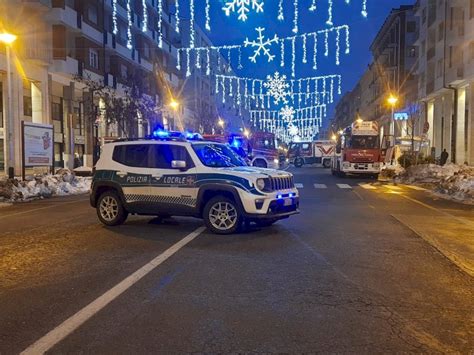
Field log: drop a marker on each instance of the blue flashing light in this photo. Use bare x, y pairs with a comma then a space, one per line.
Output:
236, 143
291, 195
280, 196
159, 133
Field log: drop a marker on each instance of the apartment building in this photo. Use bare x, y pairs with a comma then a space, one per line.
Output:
446, 72
101, 40
392, 71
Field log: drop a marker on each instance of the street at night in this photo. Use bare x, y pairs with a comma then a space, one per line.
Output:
349, 274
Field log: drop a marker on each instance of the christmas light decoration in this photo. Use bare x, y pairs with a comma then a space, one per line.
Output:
160, 21
313, 7
281, 15
295, 19
208, 18
242, 7
114, 17
364, 8
129, 27
176, 16
277, 87
260, 45
191, 24
287, 113
145, 16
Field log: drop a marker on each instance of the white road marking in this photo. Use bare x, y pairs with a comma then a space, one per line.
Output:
72, 323
417, 188
344, 186
368, 186
320, 186
299, 186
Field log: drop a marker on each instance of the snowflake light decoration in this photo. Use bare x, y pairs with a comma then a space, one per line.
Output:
261, 45
243, 7
277, 87
293, 130
287, 113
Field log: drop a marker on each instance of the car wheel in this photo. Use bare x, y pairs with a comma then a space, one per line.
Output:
260, 163
327, 164
110, 209
299, 162
222, 215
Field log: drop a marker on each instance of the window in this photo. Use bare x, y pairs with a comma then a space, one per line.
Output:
93, 58
471, 11
471, 53
412, 51
92, 14
218, 155
411, 26
164, 154
439, 68
27, 106
441, 31
56, 111
123, 71
134, 155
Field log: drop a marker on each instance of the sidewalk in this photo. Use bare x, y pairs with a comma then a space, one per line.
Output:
450, 234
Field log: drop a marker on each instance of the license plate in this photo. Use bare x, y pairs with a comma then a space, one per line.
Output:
288, 202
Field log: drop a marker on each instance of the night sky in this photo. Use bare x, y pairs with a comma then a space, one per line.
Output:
228, 30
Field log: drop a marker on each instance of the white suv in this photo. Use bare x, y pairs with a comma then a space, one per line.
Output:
181, 178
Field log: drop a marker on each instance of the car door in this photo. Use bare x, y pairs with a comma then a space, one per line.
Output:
173, 189
132, 173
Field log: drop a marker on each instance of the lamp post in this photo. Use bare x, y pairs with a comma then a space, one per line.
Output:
8, 39
392, 101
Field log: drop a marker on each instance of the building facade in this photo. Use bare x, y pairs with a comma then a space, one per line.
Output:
61, 41
446, 72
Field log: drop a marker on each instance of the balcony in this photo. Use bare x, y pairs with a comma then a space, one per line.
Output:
37, 4
66, 16
37, 54
92, 33
68, 66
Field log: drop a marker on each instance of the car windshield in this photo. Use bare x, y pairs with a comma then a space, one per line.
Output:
364, 142
218, 155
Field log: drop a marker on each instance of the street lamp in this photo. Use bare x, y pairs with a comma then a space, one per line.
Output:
246, 133
8, 39
221, 122
174, 104
392, 101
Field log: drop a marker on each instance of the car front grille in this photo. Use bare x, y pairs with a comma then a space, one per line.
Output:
282, 183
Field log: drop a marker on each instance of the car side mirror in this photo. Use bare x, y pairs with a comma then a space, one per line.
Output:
178, 164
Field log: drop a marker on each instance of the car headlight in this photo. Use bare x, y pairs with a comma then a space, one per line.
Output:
276, 161
260, 184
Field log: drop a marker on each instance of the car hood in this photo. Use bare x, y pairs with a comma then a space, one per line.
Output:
247, 171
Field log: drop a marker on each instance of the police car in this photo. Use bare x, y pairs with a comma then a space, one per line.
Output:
175, 177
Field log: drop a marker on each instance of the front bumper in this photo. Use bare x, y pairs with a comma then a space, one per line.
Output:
361, 168
277, 210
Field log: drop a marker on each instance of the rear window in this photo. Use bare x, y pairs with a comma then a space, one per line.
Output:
134, 155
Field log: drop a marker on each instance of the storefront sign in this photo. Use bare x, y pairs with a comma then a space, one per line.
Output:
400, 116
38, 144
79, 140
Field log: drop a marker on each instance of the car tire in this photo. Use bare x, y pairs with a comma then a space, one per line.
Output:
260, 163
222, 215
326, 164
110, 209
299, 162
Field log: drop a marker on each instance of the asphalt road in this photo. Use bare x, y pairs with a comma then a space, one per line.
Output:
343, 276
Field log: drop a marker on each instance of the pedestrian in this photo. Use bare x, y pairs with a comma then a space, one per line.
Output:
444, 157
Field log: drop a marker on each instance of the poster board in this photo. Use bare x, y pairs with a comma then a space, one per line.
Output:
38, 145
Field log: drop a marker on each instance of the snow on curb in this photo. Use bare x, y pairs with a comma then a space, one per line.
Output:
455, 182
64, 183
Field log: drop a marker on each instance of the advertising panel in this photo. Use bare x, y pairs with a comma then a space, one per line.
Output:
38, 144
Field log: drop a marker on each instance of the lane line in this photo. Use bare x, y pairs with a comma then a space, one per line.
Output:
43, 208
72, 323
417, 188
344, 186
299, 185
320, 186
367, 186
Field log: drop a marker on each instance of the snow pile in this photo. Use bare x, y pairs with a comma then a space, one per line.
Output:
63, 183
451, 180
